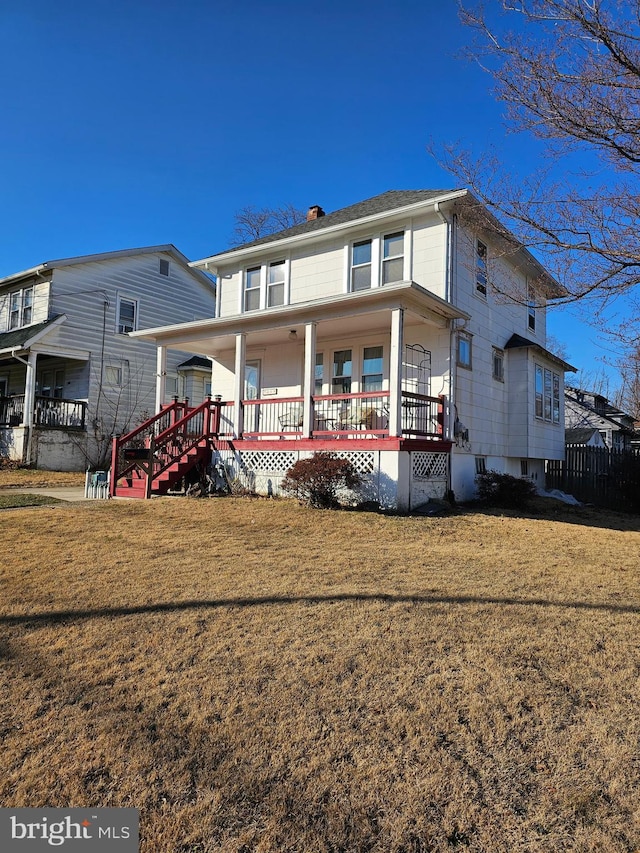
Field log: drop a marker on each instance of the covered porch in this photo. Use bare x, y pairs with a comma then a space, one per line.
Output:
358, 366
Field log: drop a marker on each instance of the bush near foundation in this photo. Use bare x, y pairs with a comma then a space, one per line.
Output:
504, 490
318, 480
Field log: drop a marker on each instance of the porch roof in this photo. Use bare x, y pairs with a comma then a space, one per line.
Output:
22, 339
364, 310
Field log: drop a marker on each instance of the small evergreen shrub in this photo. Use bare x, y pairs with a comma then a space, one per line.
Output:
318, 480
503, 490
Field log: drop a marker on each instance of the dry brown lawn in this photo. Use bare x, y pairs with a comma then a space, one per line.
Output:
31, 478
257, 676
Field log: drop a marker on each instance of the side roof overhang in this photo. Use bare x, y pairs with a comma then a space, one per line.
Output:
518, 342
211, 336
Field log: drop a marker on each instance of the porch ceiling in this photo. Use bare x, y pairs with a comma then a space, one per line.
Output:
348, 314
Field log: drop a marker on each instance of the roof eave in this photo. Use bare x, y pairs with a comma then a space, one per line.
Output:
213, 262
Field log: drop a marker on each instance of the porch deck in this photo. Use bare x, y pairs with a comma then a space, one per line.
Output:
48, 412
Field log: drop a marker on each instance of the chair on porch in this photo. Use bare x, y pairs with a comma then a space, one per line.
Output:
292, 418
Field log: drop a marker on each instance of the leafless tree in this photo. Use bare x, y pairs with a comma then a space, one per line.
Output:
569, 74
251, 223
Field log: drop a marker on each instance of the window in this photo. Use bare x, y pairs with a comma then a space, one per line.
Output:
524, 467
481, 268
51, 383
547, 395
20, 308
252, 289
113, 376
341, 379
275, 284
531, 308
464, 350
481, 465
498, 364
361, 265
164, 266
393, 258
127, 315
319, 374
371, 369
252, 380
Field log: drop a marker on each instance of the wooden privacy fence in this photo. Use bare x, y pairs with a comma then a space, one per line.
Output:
598, 475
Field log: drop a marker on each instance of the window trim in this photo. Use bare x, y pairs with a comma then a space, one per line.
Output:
124, 297
481, 269
497, 354
21, 293
547, 393
468, 337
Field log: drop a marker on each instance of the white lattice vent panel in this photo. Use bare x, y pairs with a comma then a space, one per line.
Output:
363, 461
429, 466
275, 462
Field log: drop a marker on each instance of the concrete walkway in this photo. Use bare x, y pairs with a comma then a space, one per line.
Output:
63, 493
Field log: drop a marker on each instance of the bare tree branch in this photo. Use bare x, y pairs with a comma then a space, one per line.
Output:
252, 223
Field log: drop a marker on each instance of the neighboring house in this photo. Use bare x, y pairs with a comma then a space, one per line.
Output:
587, 409
406, 332
583, 437
70, 375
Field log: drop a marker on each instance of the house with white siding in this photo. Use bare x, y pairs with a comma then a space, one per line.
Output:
70, 375
406, 332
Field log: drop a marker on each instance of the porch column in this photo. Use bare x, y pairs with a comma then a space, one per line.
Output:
238, 390
161, 376
30, 390
395, 373
309, 378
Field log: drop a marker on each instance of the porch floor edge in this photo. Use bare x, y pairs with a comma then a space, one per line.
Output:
317, 444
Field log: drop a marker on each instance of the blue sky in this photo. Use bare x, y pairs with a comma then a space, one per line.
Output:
131, 123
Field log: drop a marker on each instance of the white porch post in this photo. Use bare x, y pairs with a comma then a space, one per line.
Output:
30, 390
309, 378
395, 373
161, 376
238, 390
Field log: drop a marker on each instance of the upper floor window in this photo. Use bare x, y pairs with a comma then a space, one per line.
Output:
547, 391
252, 289
371, 369
393, 257
20, 308
342, 366
361, 265
164, 266
531, 308
464, 350
481, 268
127, 315
275, 284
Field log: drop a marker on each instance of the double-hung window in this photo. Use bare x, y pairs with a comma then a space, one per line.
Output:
342, 368
20, 308
393, 257
531, 308
547, 395
481, 268
319, 375
361, 265
498, 364
371, 369
127, 312
275, 284
252, 289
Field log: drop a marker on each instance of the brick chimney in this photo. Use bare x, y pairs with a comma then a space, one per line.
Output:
314, 212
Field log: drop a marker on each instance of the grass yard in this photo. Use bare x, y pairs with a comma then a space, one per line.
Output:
256, 676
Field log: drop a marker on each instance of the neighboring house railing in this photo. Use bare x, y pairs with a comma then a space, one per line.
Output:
49, 412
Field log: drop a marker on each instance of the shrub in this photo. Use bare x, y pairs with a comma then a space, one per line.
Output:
496, 489
318, 480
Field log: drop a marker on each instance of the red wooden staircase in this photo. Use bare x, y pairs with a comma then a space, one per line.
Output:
155, 456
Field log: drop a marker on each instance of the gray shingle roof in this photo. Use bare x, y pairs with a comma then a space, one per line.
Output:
386, 201
18, 338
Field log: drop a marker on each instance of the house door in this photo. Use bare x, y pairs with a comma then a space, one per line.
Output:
252, 380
